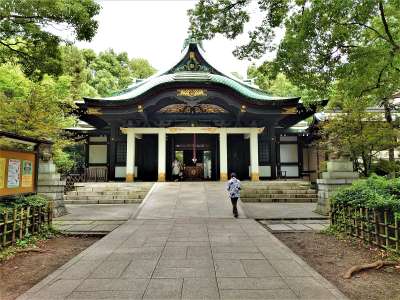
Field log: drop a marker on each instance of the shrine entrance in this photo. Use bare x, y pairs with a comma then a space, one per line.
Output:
197, 154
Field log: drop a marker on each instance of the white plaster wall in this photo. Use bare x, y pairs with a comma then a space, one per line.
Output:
120, 172
98, 139
288, 138
98, 154
288, 153
265, 171
291, 171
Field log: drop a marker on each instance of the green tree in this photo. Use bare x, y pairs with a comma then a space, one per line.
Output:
353, 45
35, 108
110, 72
141, 68
277, 85
74, 65
27, 30
360, 134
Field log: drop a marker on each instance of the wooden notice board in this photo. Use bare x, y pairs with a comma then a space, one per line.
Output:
17, 172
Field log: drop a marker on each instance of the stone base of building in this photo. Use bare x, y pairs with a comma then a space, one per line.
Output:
339, 174
51, 186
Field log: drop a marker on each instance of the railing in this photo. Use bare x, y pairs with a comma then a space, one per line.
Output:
19, 222
91, 174
375, 227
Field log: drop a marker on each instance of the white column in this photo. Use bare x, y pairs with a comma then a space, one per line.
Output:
254, 155
223, 155
130, 156
161, 155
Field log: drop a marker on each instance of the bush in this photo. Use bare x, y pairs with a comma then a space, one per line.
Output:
375, 192
383, 167
24, 201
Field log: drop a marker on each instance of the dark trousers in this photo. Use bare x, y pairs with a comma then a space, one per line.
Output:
234, 205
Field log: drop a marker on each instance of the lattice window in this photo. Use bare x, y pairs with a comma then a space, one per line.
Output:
120, 153
264, 151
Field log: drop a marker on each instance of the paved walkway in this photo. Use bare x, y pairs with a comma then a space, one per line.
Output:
186, 257
276, 210
174, 200
94, 218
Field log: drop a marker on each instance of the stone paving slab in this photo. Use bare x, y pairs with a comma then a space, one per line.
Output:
281, 210
116, 268
182, 247
94, 219
180, 200
295, 225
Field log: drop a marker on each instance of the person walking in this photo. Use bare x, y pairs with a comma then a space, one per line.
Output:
176, 170
233, 188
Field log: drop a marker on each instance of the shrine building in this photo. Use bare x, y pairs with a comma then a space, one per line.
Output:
213, 123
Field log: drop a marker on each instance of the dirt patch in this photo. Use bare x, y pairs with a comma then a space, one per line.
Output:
331, 257
24, 270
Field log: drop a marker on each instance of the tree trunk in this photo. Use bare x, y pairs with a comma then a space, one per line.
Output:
389, 119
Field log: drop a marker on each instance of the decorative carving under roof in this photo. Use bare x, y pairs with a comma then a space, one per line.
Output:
187, 109
192, 64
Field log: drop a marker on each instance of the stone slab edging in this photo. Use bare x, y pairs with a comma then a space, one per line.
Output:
141, 205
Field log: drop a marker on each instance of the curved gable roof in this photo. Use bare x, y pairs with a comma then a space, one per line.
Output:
193, 67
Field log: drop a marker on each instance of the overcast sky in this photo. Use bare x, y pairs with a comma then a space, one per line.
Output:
156, 30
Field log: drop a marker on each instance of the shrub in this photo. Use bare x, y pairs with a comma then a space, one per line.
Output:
375, 192
23, 201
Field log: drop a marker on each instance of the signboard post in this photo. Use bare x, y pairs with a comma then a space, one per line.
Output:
17, 172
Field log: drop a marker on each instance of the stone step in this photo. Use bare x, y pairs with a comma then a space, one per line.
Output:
284, 188
113, 185
103, 197
245, 195
280, 200
115, 193
103, 201
256, 192
109, 189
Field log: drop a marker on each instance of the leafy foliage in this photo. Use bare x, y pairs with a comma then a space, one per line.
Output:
354, 42
27, 30
329, 47
28, 241
23, 201
375, 192
278, 85
359, 134
103, 74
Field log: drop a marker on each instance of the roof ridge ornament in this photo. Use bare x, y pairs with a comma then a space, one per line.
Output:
192, 40
192, 64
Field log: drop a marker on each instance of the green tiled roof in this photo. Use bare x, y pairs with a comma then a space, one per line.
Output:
152, 82
205, 73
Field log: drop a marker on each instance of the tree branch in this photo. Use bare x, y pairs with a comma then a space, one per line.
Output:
378, 83
232, 5
15, 50
386, 26
367, 27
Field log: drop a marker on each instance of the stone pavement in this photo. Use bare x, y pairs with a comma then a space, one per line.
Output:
186, 257
295, 225
187, 199
272, 211
94, 218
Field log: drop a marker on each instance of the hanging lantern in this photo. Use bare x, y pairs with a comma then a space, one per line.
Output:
194, 159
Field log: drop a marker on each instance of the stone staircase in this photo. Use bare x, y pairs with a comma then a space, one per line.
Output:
107, 193
278, 191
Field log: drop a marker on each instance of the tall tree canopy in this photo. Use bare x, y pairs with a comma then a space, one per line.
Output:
27, 30
329, 46
101, 74
356, 41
